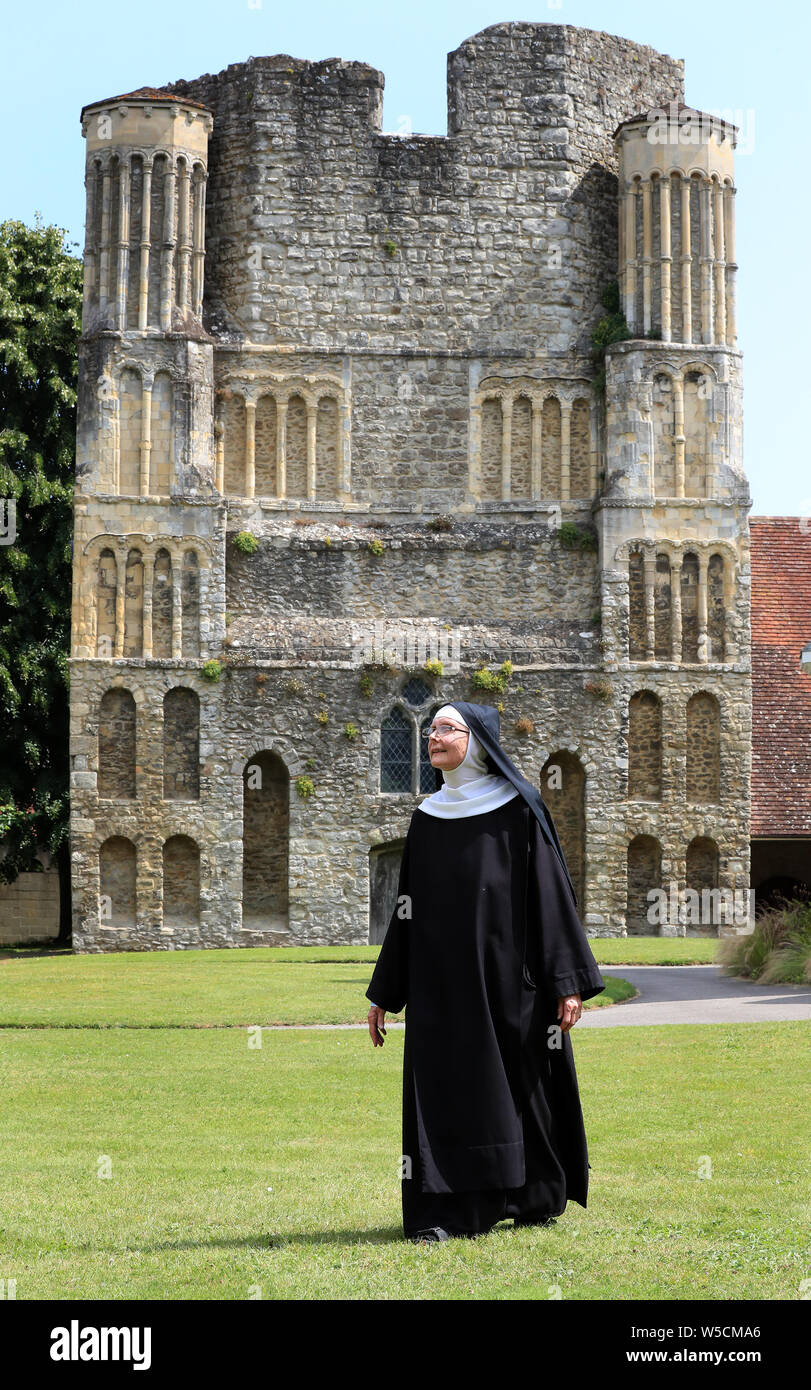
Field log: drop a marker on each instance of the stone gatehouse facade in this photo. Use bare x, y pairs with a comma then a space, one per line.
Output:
345, 453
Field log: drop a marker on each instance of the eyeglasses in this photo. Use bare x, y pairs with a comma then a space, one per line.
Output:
443, 731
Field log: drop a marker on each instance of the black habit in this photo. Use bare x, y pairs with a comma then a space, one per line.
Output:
492, 1122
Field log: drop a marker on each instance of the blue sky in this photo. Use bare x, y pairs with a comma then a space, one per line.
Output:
742, 58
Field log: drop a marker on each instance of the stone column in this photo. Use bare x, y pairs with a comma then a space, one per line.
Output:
664, 269
707, 329
91, 251
675, 607
506, 445
146, 225
593, 426
198, 240
205, 620
630, 253
565, 449
219, 452
281, 446
343, 449
184, 235
123, 265
703, 635
177, 604
146, 434
731, 266
686, 263
120, 591
649, 571
312, 421
149, 580
537, 447
250, 448
646, 255
720, 296
679, 437
104, 246
168, 251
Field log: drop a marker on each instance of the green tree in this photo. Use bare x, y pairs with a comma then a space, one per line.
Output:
40, 322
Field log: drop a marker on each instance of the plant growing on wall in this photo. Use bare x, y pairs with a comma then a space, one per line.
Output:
246, 542
212, 670
524, 725
322, 717
351, 732
484, 679
293, 686
376, 545
305, 787
612, 328
599, 688
433, 667
574, 537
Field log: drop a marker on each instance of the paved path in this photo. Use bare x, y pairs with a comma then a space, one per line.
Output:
678, 994
697, 994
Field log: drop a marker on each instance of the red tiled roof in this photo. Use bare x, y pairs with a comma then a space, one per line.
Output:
147, 94
678, 108
781, 692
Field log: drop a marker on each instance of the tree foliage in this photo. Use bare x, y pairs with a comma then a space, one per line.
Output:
40, 322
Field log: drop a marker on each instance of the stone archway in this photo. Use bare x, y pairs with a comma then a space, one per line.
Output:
265, 843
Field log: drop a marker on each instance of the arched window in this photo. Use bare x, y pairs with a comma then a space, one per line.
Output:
265, 843
134, 605
116, 768
404, 762
396, 743
117, 883
492, 432
181, 883
106, 601
644, 747
190, 604
415, 692
705, 917
563, 788
162, 603
181, 745
703, 748
644, 874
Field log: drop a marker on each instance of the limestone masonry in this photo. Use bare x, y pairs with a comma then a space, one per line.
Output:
340, 417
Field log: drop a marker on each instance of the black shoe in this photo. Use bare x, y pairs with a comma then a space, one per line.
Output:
432, 1233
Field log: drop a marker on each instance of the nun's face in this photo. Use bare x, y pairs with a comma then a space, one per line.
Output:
447, 753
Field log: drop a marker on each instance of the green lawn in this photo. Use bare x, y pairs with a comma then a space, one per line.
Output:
150, 989
272, 1172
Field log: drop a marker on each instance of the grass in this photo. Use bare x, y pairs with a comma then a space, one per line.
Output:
198, 1126
153, 989
239, 1171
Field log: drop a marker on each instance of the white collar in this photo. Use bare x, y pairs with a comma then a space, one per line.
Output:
469, 789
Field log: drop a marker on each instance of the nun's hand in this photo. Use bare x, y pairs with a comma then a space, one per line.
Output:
570, 1007
376, 1020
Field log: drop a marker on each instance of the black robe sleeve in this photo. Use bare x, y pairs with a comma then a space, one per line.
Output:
558, 955
388, 987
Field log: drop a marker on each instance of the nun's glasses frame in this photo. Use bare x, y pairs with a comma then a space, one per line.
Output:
443, 731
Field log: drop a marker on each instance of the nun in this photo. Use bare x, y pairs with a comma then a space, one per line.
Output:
486, 953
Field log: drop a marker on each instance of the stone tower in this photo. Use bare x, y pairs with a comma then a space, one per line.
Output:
343, 455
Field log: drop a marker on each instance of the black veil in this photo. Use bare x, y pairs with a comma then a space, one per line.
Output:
484, 722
